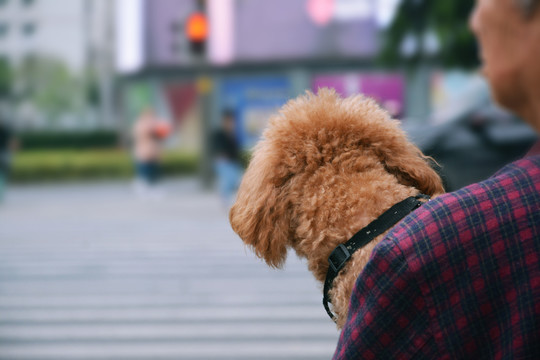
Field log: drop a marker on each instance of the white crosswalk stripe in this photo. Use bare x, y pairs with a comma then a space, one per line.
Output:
90, 272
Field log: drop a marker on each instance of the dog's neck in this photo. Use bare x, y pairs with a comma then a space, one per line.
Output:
342, 254
367, 209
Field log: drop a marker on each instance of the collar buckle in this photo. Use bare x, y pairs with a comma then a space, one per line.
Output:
339, 257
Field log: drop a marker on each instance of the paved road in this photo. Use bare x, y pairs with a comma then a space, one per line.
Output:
92, 272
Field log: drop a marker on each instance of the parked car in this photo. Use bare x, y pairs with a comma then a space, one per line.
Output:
473, 143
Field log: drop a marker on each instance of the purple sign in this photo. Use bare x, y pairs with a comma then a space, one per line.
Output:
386, 89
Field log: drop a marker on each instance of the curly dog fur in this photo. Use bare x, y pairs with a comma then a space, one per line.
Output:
325, 168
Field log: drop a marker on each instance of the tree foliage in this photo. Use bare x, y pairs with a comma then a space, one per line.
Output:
49, 85
5, 78
418, 22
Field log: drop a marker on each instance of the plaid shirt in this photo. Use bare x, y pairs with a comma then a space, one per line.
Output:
459, 278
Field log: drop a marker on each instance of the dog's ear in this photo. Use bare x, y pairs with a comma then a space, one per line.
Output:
405, 161
260, 214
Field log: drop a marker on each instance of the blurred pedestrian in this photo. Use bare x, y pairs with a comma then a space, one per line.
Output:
460, 277
227, 157
148, 133
8, 144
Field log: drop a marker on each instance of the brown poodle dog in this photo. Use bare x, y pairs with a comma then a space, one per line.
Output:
326, 168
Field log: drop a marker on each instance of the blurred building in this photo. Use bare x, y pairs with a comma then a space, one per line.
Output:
43, 27
238, 33
72, 37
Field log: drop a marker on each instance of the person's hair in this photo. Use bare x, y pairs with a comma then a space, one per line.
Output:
528, 6
227, 114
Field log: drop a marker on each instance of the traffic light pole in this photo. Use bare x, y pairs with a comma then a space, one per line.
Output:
204, 89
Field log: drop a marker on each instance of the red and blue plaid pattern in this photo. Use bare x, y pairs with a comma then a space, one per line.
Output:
459, 278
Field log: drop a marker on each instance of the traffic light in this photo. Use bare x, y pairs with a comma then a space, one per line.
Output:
197, 32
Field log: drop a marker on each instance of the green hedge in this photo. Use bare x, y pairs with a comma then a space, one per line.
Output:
68, 140
62, 165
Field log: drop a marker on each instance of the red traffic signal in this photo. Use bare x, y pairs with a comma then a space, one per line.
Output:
197, 32
197, 27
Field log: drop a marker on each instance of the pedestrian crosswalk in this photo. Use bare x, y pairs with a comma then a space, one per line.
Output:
91, 272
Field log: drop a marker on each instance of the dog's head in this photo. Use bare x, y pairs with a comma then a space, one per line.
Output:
317, 155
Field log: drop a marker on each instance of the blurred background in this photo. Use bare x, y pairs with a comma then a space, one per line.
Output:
118, 164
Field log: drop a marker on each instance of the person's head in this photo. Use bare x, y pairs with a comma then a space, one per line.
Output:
227, 120
147, 114
508, 32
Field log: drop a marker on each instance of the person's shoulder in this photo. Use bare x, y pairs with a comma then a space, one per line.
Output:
431, 224
458, 217
528, 167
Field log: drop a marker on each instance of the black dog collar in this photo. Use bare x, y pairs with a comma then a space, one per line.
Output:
341, 254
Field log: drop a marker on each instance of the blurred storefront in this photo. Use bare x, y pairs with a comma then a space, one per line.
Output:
253, 100
258, 54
